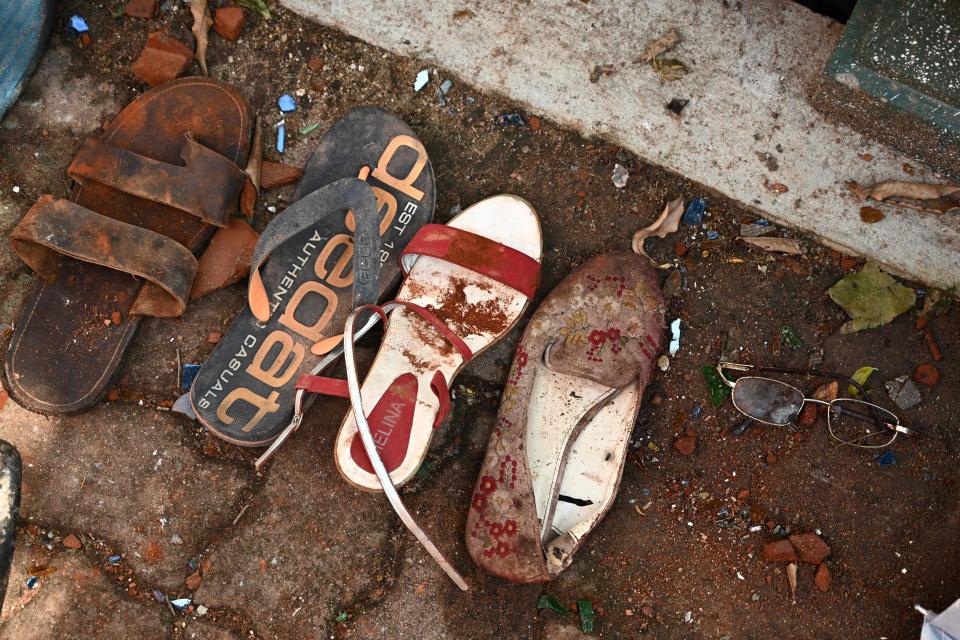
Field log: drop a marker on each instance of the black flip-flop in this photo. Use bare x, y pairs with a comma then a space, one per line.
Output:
10, 470
371, 162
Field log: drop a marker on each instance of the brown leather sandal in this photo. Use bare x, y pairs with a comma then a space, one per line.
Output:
557, 451
165, 174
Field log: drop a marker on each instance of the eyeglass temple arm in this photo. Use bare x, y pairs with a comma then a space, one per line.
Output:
736, 366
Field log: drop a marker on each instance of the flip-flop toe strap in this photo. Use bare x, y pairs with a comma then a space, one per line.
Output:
346, 194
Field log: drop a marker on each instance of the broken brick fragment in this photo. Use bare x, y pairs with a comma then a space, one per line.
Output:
228, 22
72, 542
193, 581
810, 547
227, 258
822, 579
927, 374
277, 174
248, 199
686, 444
163, 58
779, 551
141, 8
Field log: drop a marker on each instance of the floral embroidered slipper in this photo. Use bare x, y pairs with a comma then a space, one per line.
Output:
557, 452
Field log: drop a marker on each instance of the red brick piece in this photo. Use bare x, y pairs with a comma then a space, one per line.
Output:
822, 580
141, 8
686, 445
779, 551
810, 548
927, 374
163, 58
277, 174
228, 22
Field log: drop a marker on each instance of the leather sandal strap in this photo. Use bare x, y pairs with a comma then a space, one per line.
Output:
347, 194
504, 264
207, 186
53, 227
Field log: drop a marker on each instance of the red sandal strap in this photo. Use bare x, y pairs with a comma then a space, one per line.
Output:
504, 264
325, 386
440, 326
440, 389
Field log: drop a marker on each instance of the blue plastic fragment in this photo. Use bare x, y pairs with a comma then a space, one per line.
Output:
697, 411
187, 374
762, 222
695, 211
886, 459
181, 603
78, 25
510, 120
712, 235
287, 103
281, 138
445, 86
31, 582
115, 559
192, 564
159, 595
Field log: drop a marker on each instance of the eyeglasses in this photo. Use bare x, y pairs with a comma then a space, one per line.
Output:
853, 422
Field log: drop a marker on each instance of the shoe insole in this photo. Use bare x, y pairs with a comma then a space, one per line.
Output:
576, 463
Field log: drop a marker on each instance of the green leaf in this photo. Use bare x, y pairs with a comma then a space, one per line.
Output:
586, 615
547, 601
789, 337
426, 468
341, 617
860, 375
719, 391
256, 5
310, 128
871, 298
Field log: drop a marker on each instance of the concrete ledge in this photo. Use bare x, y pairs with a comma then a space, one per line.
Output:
751, 67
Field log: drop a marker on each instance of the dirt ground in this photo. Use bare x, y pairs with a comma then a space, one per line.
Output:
297, 553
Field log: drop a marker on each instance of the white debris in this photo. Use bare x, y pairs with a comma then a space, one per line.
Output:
620, 176
675, 337
422, 79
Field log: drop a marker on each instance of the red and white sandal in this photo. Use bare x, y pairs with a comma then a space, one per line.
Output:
467, 283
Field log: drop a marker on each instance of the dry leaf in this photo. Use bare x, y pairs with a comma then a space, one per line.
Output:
792, 578
256, 156
661, 45
669, 68
870, 215
667, 223
922, 196
782, 245
201, 30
